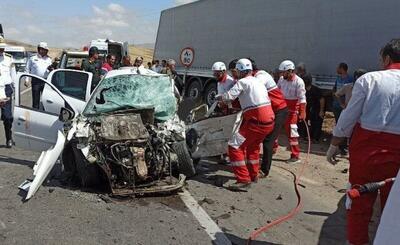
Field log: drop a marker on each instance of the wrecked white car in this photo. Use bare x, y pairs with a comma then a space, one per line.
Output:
128, 140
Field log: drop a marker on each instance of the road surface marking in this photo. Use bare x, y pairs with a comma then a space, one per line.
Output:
26, 91
217, 235
2, 225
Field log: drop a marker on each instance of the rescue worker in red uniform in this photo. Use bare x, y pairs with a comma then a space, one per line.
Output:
293, 89
257, 123
279, 107
372, 119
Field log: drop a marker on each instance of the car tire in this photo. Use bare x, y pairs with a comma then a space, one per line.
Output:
185, 162
194, 90
209, 94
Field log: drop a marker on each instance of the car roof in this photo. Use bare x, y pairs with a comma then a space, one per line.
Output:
133, 71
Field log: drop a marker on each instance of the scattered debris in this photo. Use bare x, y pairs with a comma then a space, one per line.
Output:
342, 191
51, 190
279, 197
105, 198
206, 200
344, 171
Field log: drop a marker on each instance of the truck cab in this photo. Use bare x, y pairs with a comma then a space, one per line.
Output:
19, 57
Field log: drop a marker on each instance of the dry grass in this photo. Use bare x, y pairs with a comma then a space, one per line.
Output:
146, 53
134, 51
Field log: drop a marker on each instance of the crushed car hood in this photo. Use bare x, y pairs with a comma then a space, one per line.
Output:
134, 91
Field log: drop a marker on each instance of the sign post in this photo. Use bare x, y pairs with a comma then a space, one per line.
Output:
186, 58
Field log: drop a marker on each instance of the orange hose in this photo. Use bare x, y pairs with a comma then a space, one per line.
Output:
299, 205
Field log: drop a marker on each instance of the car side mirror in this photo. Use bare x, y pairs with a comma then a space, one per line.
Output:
66, 115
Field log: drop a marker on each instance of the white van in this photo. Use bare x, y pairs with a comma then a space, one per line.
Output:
19, 56
105, 47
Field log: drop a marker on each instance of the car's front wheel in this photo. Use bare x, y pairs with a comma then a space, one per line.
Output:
185, 162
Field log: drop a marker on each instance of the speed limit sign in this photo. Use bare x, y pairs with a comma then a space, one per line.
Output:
187, 56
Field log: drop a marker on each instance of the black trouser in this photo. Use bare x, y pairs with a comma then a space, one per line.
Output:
6, 113
268, 143
37, 89
316, 125
337, 110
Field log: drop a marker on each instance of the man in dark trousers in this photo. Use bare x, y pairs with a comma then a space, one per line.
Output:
316, 110
279, 107
93, 65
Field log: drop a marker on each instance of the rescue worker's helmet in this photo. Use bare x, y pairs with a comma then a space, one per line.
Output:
218, 66
93, 51
244, 65
286, 65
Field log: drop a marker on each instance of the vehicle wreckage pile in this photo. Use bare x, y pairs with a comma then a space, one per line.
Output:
128, 139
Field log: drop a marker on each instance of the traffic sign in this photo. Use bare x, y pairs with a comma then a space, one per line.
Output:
187, 56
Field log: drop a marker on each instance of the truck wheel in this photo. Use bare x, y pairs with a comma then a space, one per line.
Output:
194, 89
210, 93
185, 162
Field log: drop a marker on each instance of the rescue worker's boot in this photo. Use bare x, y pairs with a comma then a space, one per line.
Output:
293, 160
239, 187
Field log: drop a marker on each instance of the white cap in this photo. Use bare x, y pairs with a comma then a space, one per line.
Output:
286, 65
171, 62
244, 65
2, 43
219, 66
43, 45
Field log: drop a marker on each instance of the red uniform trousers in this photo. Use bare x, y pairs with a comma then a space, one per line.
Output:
291, 129
374, 156
244, 147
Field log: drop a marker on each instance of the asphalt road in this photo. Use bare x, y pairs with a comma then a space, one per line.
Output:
59, 215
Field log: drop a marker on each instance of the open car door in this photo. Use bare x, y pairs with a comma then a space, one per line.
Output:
35, 126
208, 136
74, 85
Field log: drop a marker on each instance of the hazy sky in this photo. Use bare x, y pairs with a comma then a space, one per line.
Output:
73, 23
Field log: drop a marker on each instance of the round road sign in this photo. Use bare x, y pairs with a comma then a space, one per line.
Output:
187, 56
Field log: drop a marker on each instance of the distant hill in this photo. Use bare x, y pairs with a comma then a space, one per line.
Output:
134, 50
145, 45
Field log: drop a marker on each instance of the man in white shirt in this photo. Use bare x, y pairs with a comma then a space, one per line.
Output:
7, 77
38, 65
372, 119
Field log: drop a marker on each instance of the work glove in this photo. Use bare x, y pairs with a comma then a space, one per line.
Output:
302, 111
331, 154
218, 97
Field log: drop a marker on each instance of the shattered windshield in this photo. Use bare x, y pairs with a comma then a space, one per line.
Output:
134, 91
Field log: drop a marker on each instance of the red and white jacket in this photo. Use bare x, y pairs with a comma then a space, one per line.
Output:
294, 92
374, 104
278, 101
225, 84
253, 98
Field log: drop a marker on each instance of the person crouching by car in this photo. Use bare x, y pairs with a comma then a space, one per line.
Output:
257, 122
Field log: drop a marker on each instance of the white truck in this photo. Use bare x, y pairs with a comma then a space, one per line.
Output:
19, 57
319, 33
